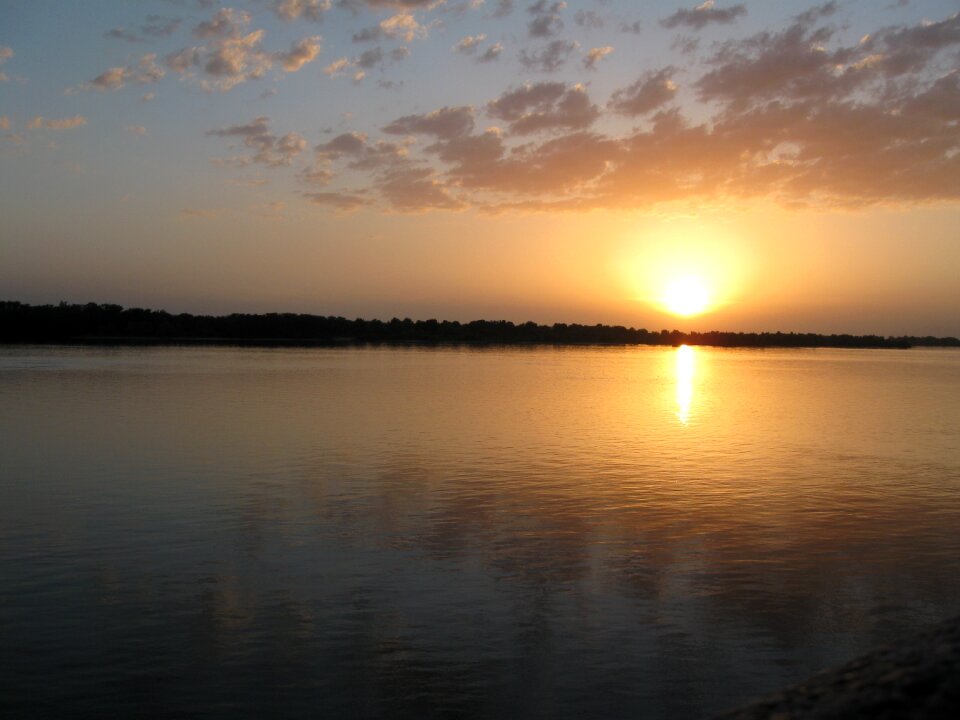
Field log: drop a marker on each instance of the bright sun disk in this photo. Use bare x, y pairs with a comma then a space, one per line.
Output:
686, 296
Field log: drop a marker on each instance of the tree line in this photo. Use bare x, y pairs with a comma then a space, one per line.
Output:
105, 323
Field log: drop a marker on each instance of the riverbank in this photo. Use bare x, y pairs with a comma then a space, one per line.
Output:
114, 325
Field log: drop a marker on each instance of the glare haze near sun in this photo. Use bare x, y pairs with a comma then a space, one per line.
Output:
717, 165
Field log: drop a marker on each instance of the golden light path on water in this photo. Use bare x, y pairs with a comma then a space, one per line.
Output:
686, 365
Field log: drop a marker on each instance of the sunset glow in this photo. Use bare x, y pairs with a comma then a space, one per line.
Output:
781, 165
686, 296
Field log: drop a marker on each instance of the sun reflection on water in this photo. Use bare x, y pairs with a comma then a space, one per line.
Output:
686, 367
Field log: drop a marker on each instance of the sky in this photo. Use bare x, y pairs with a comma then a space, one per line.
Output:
462, 159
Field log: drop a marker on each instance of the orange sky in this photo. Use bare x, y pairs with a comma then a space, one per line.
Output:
561, 162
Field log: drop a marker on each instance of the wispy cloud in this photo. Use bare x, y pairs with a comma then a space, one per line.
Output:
68, 123
704, 14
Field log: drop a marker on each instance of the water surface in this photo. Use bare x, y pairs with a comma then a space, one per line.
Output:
641, 532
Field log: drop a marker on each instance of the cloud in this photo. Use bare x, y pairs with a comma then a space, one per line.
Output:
910, 49
546, 21
685, 44
182, 61
344, 201
817, 12
119, 33
588, 19
227, 22
369, 58
653, 90
57, 124
703, 15
417, 189
396, 4
268, 149
352, 143
235, 60
289, 10
544, 106
468, 45
156, 26
447, 122
790, 64
796, 115
551, 58
319, 176
491, 53
565, 164
368, 34
403, 26
301, 53
159, 26
337, 66
4, 122
136, 130
231, 55
146, 71
595, 55
503, 8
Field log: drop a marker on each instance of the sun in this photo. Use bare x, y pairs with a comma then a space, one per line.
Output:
685, 296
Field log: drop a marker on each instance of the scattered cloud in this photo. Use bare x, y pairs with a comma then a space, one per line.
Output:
156, 26
68, 123
544, 106
301, 53
468, 45
491, 53
653, 90
547, 21
417, 189
550, 58
227, 22
595, 55
337, 66
343, 201
817, 12
289, 10
369, 58
136, 130
704, 14
798, 114
588, 19
503, 8
267, 148
231, 55
403, 26
145, 72
446, 122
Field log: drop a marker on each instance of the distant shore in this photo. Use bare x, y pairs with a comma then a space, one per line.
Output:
102, 324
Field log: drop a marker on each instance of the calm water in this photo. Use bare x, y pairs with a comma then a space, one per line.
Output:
476, 533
